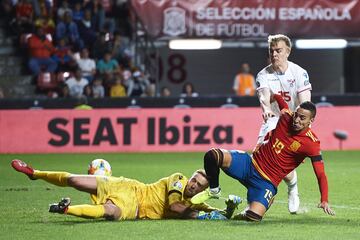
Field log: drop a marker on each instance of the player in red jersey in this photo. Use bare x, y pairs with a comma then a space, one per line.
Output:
288, 145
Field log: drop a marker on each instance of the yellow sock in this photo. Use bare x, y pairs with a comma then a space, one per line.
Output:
56, 178
86, 211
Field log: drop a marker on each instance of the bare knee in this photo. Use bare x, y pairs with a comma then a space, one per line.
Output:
83, 183
290, 176
72, 181
112, 212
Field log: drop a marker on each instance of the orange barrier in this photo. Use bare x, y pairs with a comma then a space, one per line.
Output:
155, 130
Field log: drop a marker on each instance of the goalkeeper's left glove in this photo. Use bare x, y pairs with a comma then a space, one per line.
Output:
213, 215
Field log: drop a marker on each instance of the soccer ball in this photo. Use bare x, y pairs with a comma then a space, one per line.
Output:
99, 167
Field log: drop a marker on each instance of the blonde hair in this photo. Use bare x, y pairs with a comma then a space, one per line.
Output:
273, 39
202, 173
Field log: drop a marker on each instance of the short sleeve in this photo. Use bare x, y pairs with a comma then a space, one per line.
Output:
261, 81
303, 81
176, 187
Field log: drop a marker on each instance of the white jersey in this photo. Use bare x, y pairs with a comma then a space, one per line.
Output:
288, 85
293, 81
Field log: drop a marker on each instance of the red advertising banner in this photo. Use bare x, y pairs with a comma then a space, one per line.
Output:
155, 130
249, 19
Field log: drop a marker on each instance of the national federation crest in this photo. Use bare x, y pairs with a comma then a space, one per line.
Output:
174, 21
177, 185
295, 146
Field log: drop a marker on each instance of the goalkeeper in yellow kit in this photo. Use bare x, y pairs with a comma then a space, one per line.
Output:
120, 198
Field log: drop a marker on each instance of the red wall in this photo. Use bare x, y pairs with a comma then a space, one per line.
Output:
154, 130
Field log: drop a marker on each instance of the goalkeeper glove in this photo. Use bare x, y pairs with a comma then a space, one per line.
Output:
213, 215
232, 203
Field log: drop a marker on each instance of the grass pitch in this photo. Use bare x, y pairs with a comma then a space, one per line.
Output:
24, 203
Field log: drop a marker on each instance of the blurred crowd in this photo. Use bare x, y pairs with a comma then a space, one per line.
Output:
78, 48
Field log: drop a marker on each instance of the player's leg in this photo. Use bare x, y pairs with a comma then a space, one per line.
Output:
63, 179
231, 162
108, 210
254, 213
260, 196
214, 159
293, 192
56, 178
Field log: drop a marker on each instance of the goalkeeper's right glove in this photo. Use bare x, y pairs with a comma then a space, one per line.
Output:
213, 215
232, 203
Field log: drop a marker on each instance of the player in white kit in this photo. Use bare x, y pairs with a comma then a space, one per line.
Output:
292, 82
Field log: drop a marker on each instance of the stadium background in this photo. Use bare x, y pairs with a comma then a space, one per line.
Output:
133, 124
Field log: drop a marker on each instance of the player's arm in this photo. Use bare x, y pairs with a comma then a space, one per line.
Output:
264, 95
304, 96
176, 187
280, 101
183, 211
319, 169
235, 85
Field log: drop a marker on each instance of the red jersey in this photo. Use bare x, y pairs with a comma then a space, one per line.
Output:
40, 48
285, 151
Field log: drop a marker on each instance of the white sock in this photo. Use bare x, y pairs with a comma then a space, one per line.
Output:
215, 190
292, 184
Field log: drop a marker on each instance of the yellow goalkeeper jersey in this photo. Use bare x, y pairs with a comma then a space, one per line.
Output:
156, 198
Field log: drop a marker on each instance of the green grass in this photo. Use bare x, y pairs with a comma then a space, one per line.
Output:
24, 203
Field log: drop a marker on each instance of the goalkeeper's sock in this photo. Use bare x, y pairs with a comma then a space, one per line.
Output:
56, 178
86, 211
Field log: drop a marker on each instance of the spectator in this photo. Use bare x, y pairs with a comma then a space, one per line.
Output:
108, 67
150, 90
24, 17
46, 22
87, 29
40, 51
98, 89
118, 89
165, 92
188, 90
64, 7
244, 82
67, 28
63, 55
8, 13
64, 91
137, 85
77, 84
97, 12
78, 12
101, 46
88, 91
120, 50
87, 65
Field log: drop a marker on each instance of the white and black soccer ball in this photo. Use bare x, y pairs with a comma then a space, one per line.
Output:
99, 167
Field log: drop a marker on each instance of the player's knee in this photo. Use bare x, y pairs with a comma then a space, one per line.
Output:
252, 216
72, 181
214, 157
112, 212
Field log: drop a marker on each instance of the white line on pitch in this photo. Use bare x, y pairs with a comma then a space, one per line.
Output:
314, 205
